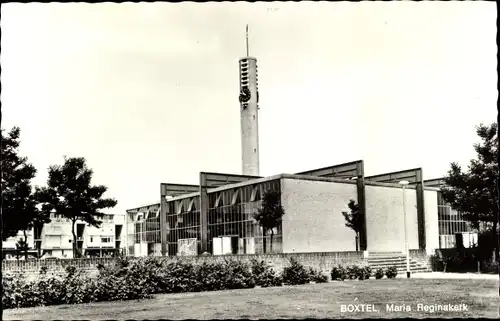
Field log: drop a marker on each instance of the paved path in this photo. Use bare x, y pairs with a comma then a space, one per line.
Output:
443, 275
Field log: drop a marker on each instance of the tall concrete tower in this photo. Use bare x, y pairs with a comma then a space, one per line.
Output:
249, 110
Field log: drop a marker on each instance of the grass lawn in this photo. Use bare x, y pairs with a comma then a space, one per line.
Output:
304, 301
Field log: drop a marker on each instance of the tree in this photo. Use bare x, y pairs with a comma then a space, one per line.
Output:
270, 214
22, 247
69, 193
474, 192
19, 203
354, 220
34, 218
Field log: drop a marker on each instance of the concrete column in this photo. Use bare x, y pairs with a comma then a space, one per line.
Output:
362, 208
163, 219
204, 204
420, 210
419, 190
362, 203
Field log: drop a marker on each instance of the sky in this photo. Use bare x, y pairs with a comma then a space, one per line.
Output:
148, 92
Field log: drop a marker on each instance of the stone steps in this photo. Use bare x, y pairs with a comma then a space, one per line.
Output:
376, 254
397, 264
385, 260
402, 269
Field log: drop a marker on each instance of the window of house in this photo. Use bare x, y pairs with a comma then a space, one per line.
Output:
105, 239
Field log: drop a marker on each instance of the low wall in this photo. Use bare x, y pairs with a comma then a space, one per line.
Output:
31, 275
322, 261
421, 257
55, 264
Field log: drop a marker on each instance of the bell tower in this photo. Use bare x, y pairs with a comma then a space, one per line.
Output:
249, 111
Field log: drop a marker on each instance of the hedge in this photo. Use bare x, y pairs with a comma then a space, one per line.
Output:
353, 272
138, 279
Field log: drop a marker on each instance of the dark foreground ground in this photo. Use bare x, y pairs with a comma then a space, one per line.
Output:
480, 297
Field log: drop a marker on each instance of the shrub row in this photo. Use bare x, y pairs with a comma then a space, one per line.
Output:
71, 289
465, 260
353, 272
137, 279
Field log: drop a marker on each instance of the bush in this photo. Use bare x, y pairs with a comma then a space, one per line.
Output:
364, 273
489, 267
391, 272
52, 291
43, 270
117, 268
353, 272
145, 273
70, 271
317, 276
122, 262
263, 274
128, 287
180, 276
139, 278
485, 245
131, 282
31, 295
71, 289
12, 293
338, 273
238, 275
461, 261
295, 274
379, 273
231, 274
211, 276
19, 293
78, 290
112, 288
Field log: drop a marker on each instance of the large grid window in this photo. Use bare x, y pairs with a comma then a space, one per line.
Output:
143, 231
230, 215
183, 226
451, 223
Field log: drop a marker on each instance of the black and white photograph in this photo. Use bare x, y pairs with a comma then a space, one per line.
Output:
249, 160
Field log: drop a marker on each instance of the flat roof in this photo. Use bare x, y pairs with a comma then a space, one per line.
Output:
393, 185
260, 180
281, 176
139, 207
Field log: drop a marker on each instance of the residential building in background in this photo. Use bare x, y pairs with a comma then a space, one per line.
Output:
55, 239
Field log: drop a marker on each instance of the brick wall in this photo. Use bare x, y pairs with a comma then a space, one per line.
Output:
324, 261
55, 264
31, 275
